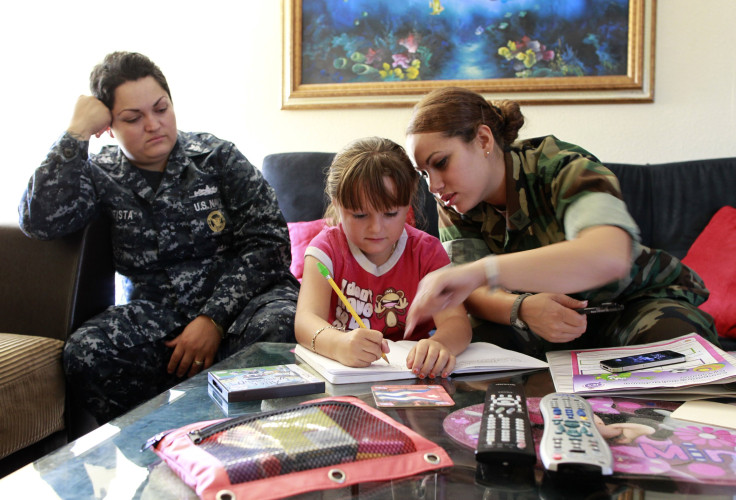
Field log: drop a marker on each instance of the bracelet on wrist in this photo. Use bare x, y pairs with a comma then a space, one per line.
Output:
515, 320
220, 330
314, 337
491, 265
328, 327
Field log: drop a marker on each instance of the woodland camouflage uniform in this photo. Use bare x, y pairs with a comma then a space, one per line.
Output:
545, 176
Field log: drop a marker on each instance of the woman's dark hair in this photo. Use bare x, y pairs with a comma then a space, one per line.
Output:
118, 68
355, 177
458, 112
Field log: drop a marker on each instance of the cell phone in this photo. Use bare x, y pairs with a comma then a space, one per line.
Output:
641, 361
605, 307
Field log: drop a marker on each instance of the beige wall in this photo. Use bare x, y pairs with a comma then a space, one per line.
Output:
223, 62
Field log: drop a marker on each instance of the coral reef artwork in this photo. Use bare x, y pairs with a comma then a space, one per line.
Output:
358, 41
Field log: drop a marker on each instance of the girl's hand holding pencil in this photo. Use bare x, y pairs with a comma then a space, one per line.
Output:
359, 347
326, 273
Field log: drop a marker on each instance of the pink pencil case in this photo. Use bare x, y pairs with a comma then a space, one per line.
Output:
321, 444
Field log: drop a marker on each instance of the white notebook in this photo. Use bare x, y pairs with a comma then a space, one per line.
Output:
478, 357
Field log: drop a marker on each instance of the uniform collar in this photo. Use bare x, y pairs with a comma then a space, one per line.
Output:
187, 145
517, 216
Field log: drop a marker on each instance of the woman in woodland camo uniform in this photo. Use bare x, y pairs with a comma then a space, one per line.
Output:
537, 229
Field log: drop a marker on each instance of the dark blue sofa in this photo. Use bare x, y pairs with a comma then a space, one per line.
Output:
671, 202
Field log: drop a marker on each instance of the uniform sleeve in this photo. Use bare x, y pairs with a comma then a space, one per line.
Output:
60, 198
584, 192
571, 174
599, 209
568, 190
262, 249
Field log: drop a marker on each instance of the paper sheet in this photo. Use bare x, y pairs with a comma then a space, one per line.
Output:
579, 371
707, 412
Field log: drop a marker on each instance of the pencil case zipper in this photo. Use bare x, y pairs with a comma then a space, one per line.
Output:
199, 435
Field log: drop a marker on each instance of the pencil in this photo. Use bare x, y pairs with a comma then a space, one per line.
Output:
326, 273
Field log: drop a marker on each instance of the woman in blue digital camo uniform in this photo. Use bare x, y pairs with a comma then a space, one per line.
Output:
541, 224
197, 235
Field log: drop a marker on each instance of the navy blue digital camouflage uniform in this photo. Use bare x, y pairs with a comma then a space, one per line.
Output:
210, 240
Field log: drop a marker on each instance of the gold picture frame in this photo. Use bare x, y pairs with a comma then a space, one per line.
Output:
633, 82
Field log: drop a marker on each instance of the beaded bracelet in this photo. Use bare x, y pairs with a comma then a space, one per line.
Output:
314, 337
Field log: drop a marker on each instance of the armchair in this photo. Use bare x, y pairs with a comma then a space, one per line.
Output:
47, 289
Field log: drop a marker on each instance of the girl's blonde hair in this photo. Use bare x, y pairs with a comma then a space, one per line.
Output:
355, 179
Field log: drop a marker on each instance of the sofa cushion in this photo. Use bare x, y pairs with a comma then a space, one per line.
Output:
713, 257
301, 233
31, 390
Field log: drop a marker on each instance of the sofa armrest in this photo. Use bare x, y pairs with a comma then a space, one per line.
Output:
95, 284
48, 288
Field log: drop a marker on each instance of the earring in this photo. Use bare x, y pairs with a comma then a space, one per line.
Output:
488, 153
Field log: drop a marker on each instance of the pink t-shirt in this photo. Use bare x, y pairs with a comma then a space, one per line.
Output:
381, 295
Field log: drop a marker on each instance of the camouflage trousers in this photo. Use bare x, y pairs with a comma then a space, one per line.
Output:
117, 360
641, 322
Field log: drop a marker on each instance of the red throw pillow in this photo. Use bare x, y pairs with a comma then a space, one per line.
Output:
713, 257
301, 233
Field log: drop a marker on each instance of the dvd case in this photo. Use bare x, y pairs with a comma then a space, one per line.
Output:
264, 382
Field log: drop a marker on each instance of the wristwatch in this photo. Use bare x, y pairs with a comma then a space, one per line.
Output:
517, 322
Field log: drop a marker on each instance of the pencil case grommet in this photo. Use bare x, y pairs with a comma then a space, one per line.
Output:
432, 458
225, 495
337, 475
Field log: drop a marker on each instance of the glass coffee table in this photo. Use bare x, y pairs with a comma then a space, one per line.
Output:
109, 463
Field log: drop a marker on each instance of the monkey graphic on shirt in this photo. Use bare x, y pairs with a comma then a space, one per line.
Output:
391, 304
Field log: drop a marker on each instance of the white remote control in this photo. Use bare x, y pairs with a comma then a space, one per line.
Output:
571, 442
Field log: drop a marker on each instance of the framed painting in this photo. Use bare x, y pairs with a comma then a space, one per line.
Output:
381, 53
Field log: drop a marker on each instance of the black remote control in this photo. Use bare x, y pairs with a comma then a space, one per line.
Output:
571, 441
505, 432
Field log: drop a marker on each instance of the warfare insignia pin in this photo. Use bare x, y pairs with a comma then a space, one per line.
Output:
216, 221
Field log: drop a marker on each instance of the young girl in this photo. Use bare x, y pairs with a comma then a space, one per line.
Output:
377, 261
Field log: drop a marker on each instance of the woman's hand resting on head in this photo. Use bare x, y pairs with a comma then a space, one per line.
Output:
91, 117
